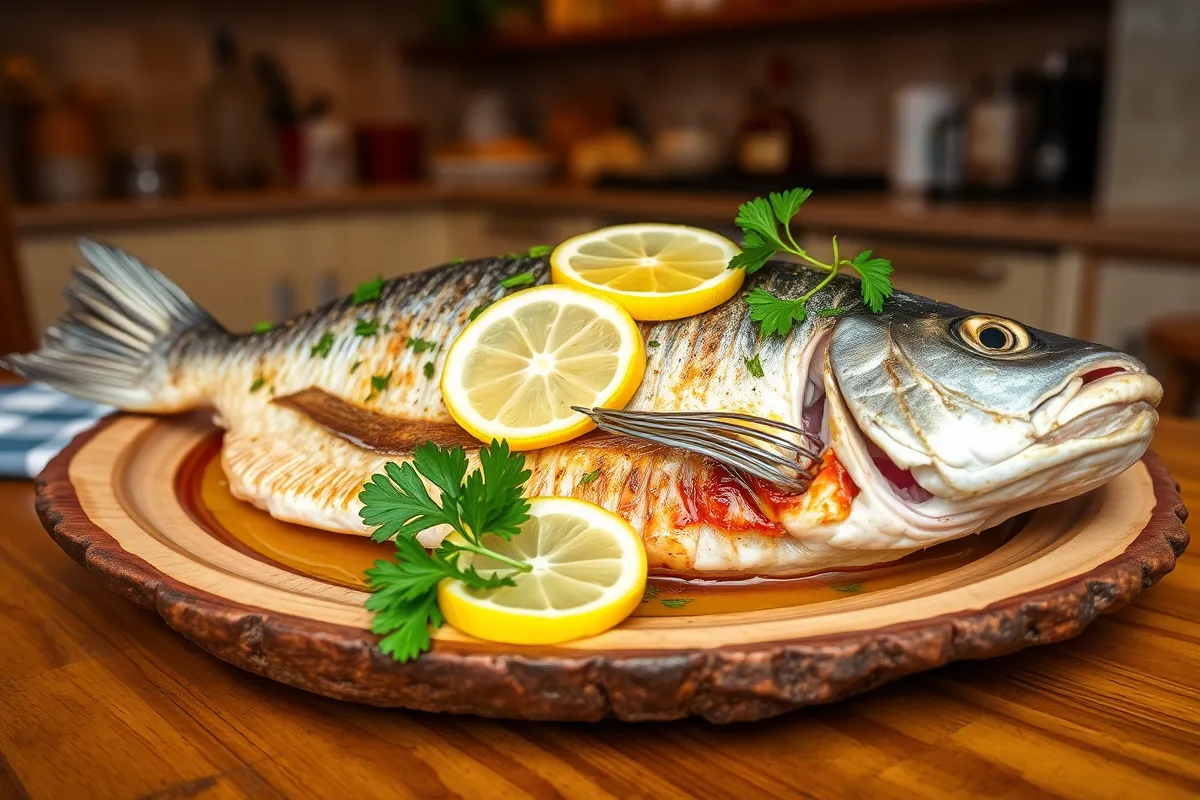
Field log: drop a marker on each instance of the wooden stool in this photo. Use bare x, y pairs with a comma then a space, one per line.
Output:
1177, 339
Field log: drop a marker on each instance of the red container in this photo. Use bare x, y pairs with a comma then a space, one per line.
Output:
291, 153
389, 153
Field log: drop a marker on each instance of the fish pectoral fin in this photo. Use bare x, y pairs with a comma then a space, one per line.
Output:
372, 430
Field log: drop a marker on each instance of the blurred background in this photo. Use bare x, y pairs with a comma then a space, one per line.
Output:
1039, 160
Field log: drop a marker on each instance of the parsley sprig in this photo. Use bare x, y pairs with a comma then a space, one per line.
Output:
398, 506
766, 225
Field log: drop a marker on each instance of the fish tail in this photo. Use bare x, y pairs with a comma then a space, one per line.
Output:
116, 342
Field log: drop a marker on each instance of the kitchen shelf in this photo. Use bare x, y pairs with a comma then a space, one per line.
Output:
1049, 226
629, 32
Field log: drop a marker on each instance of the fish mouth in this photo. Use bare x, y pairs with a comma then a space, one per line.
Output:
1093, 426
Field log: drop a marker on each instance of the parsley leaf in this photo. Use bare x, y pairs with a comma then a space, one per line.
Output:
491, 498
848, 588
675, 602
787, 204
760, 220
366, 327
263, 327
368, 291
419, 345
876, 279
650, 593
756, 217
477, 310
520, 279
752, 259
322, 347
396, 503
589, 477
772, 314
755, 366
355, 366
259, 382
540, 251
487, 502
652, 343
428, 369
833, 311
456, 261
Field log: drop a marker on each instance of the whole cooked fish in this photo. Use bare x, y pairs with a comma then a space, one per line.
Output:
939, 422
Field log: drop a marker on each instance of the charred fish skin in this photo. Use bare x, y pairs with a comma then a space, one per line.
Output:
975, 436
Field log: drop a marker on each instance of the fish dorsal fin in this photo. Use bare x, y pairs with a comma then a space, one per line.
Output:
372, 430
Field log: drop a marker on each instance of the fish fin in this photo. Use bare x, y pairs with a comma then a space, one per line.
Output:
388, 435
372, 430
114, 343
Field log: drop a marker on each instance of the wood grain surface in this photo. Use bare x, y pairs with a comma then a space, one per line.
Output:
98, 698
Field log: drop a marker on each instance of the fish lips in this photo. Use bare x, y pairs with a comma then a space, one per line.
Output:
1097, 424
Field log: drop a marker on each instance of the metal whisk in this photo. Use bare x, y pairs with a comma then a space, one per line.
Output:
742, 442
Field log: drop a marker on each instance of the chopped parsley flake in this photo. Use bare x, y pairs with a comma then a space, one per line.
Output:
366, 327
322, 347
755, 366
379, 383
419, 345
520, 279
368, 291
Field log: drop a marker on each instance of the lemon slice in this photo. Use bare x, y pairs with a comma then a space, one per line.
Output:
515, 372
589, 573
654, 271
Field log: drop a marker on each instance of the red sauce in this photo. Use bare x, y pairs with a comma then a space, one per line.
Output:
718, 499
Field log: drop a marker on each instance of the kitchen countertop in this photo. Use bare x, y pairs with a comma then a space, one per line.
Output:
1048, 226
99, 698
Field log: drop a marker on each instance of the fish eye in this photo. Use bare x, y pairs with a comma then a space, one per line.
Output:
993, 335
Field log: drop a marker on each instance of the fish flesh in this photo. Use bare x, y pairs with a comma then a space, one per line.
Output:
938, 422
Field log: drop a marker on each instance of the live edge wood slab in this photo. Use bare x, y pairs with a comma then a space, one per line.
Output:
108, 501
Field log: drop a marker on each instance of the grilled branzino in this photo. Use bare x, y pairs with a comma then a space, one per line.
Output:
938, 422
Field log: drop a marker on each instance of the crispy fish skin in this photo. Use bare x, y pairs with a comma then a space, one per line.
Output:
283, 462
931, 434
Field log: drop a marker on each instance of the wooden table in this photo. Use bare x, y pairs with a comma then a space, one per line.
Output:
100, 699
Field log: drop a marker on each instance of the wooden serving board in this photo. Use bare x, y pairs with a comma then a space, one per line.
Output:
112, 500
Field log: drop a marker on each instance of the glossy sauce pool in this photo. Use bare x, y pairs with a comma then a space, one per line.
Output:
341, 559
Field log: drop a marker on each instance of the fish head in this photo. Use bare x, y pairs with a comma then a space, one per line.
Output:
956, 412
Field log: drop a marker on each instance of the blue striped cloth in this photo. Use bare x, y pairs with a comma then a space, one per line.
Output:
36, 422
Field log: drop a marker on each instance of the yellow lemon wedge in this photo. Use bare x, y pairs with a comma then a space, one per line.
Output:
588, 572
655, 271
515, 372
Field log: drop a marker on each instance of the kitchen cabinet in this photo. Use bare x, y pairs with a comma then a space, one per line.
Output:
252, 270
476, 233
